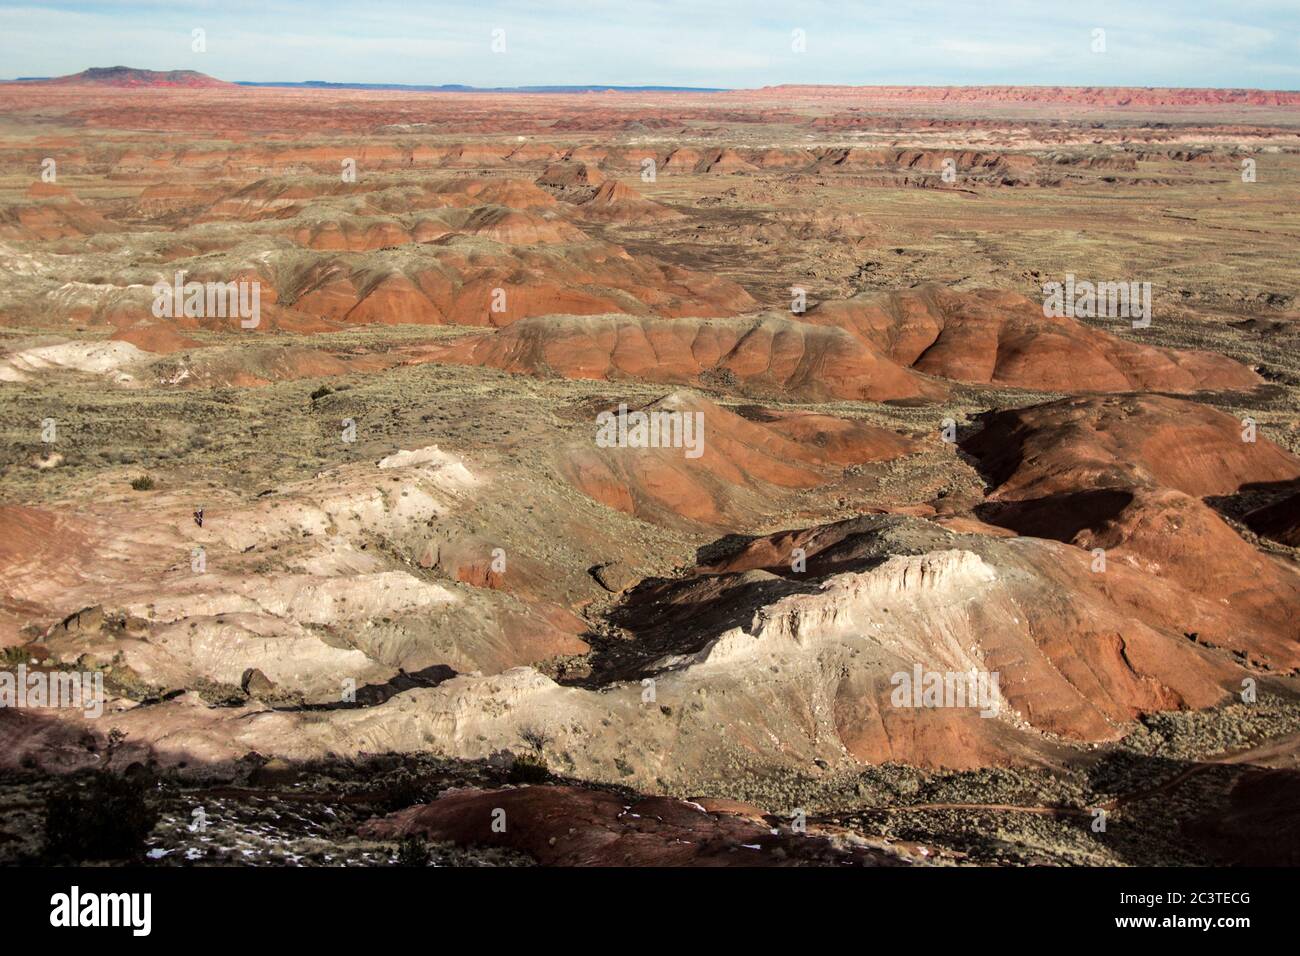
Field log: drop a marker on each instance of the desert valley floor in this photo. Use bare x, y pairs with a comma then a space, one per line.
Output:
362, 573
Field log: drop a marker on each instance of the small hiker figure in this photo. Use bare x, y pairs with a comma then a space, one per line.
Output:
198, 517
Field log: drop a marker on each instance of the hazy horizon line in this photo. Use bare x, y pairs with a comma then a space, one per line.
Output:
641, 87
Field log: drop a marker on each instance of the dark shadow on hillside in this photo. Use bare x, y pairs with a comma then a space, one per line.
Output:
1058, 517
1159, 810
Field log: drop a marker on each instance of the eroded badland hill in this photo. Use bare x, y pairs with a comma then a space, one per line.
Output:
327, 452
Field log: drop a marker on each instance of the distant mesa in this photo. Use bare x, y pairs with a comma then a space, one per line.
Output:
130, 78
462, 88
1076, 95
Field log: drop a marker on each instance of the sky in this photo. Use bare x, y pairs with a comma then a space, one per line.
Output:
712, 43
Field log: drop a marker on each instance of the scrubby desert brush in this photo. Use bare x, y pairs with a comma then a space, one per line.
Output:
535, 737
99, 815
528, 768
413, 851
